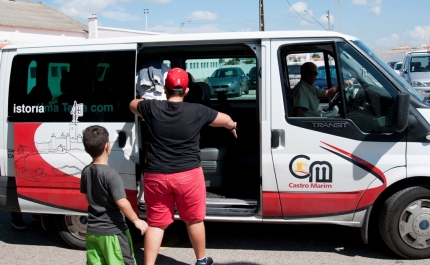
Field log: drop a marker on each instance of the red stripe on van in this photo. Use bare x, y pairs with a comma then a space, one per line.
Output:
271, 204
317, 204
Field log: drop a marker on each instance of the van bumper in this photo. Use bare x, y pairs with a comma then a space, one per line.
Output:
8, 195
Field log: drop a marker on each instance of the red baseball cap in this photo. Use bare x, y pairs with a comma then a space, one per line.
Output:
176, 79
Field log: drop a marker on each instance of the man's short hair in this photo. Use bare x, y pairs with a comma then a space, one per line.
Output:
305, 66
94, 139
170, 93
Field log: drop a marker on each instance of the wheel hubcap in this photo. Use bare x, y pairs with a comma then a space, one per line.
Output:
414, 224
77, 225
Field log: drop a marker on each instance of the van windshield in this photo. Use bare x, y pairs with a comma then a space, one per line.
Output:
393, 74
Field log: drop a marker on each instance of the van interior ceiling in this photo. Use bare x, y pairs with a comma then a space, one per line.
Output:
231, 166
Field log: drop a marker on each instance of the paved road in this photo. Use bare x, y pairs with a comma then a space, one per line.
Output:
227, 243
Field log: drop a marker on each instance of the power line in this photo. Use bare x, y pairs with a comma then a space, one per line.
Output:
299, 14
306, 13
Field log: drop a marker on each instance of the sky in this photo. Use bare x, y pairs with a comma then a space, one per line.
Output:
380, 24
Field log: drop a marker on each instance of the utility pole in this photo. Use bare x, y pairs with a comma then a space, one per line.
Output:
146, 11
328, 19
261, 8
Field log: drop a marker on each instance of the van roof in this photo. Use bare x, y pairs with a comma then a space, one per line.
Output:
175, 38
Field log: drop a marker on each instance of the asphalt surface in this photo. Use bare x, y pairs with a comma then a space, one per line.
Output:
227, 243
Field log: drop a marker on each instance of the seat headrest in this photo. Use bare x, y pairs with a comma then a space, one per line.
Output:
206, 89
195, 94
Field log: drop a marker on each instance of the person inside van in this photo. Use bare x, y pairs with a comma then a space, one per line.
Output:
173, 174
306, 96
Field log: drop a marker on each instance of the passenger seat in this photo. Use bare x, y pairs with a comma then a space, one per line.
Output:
213, 147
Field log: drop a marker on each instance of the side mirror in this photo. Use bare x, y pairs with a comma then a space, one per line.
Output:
403, 104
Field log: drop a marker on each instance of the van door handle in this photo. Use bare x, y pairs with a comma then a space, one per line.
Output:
278, 138
122, 139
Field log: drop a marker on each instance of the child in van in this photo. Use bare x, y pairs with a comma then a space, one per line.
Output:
108, 239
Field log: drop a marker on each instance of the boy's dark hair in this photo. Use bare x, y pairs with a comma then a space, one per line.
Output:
95, 138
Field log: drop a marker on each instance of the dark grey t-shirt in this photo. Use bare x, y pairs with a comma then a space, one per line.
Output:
103, 186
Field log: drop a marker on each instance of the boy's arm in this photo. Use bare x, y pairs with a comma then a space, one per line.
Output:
125, 207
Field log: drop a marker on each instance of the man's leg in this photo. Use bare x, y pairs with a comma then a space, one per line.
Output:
153, 238
197, 235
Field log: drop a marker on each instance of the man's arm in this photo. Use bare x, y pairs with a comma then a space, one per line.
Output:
125, 207
223, 120
133, 106
329, 92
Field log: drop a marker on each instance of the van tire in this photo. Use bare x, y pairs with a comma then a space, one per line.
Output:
72, 229
404, 218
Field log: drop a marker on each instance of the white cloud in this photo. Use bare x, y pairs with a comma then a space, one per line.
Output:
376, 3
418, 36
414, 38
390, 42
359, 2
83, 8
203, 15
170, 22
299, 7
121, 16
306, 15
376, 10
188, 28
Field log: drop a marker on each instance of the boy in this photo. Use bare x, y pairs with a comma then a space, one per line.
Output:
108, 239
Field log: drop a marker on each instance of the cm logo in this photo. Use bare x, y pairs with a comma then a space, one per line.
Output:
318, 171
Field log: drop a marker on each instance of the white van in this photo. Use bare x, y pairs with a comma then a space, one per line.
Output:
365, 164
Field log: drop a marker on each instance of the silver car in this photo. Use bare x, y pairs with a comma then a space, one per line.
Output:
416, 71
229, 80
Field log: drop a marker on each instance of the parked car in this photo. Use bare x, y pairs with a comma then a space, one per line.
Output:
416, 71
294, 73
391, 64
252, 74
321, 81
230, 80
397, 67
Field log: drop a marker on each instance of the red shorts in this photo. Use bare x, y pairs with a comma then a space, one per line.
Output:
161, 191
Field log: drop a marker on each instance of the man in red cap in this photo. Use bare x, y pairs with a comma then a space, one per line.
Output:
172, 170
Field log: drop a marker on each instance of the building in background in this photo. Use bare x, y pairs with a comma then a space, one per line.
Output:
24, 22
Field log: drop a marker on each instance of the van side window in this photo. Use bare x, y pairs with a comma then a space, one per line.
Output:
370, 102
45, 88
365, 97
292, 58
228, 78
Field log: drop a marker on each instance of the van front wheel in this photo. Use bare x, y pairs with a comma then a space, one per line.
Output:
72, 229
404, 223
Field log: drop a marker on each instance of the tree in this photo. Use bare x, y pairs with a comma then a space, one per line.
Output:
316, 55
221, 61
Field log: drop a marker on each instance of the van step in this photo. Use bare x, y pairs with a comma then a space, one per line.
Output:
213, 195
224, 207
230, 201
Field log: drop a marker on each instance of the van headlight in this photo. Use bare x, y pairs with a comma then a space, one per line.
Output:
417, 83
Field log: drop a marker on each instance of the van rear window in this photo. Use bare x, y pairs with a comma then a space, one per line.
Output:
48, 87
